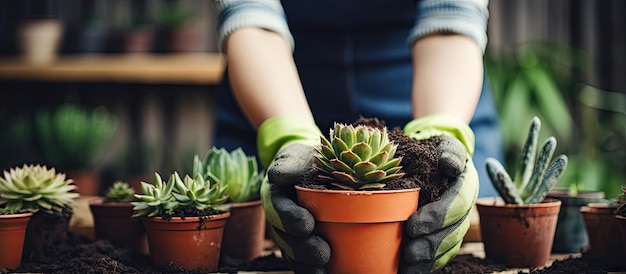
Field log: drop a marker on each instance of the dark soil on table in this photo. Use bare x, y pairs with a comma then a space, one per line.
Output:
80, 255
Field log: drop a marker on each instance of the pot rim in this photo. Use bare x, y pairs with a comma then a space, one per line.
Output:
17, 215
499, 202
356, 192
188, 219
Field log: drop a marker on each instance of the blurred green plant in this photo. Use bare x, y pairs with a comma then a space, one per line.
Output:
544, 80
72, 137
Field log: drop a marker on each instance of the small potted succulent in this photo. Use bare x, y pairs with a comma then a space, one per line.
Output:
13, 224
354, 214
45, 193
244, 233
602, 222
518, 227
72, 138
184, 220
112, 218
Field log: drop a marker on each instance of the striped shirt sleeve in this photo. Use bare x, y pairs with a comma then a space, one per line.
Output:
467, 17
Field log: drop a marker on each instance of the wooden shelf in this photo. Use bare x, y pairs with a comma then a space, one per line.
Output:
187, 68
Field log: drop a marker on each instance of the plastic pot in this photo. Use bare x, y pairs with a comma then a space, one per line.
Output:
605, 241
244, 232
12, 233
112, 221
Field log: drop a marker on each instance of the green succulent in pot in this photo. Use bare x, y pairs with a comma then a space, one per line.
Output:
237, 172
120, 191
36, 188
185, 197
358, 157
535, 175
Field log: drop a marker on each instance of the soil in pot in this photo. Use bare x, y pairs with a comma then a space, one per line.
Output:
571, 235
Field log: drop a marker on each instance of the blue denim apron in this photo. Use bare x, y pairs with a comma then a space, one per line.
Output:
354, 61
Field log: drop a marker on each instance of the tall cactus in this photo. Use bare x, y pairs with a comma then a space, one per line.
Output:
535, 176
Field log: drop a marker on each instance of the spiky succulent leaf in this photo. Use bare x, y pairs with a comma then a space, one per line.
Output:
360, 157
534, 177
35, 187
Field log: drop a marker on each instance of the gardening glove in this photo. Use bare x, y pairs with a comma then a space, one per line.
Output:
286, 147
434, 233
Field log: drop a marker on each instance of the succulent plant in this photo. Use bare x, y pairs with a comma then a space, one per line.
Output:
120, 192
237, 172
535, 176
8, 211
358, 157
163, 198
620, 202
34, 188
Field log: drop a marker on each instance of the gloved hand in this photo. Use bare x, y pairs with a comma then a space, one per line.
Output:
286, 147
434, 233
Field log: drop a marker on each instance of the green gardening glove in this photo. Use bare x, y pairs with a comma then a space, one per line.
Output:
433, 234
286, 147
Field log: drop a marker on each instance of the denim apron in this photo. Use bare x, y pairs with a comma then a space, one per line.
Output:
353, 60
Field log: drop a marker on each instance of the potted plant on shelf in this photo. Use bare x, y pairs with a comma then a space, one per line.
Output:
49, 195
605, 247
112, 218
244, 232
518, 228
12, 232
184, 220
362, 222
72, 138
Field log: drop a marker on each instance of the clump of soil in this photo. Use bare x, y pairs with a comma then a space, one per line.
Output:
467, 263
419, 163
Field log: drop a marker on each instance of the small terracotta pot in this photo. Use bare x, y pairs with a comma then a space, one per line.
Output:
87, 181
605, 240
570, 235
363, 228
185, 242
518, 235
112, 221
244, 232
12, 233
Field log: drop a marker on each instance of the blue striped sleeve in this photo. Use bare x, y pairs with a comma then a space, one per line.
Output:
265, 14
467, 17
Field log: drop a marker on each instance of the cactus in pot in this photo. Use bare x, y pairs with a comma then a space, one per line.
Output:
358, 158
535, 175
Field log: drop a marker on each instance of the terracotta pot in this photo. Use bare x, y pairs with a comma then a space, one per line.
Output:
244, 232
621, 221
570, 235
87, 181
363, 228
12, 233
605, 241
44, 230
112, 221
518, 235
184, 243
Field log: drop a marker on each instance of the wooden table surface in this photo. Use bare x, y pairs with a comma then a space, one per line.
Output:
187, 68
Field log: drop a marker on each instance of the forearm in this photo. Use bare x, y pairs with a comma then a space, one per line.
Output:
447, 75
264, 77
